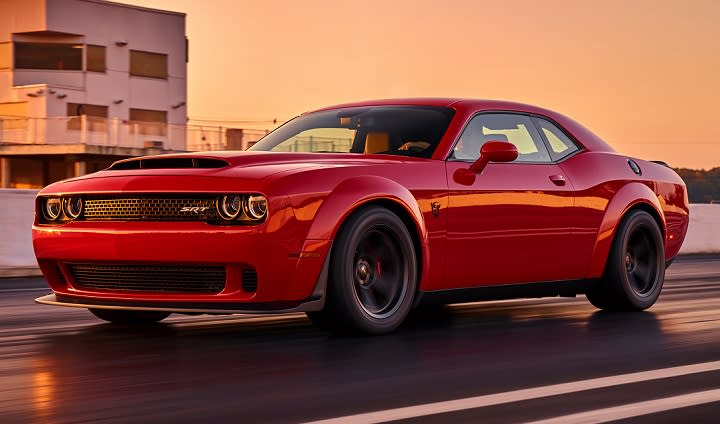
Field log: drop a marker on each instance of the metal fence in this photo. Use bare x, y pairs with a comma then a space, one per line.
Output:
116, 132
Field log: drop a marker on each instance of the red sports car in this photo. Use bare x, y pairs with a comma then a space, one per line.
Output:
357, 213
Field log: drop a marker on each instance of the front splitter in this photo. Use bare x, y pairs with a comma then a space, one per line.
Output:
220, 309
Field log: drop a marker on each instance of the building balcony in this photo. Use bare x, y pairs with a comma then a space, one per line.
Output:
69, 79
97, 135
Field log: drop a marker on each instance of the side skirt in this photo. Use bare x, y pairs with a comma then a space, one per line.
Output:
569, 288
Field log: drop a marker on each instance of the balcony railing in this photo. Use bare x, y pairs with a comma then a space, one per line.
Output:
99, 131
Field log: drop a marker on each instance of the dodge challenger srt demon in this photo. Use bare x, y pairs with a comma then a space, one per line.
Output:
355, 214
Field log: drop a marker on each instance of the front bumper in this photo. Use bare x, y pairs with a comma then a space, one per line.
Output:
288, 268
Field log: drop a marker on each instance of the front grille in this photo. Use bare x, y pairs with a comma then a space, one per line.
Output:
150, 208
149, 278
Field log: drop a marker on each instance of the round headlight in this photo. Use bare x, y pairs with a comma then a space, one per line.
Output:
52, 208
73, 207
229, 207
256, 207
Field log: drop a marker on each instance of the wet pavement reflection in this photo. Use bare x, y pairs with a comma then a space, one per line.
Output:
64, 366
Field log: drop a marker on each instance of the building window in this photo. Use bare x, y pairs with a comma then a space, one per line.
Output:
96, 116
95, 58
5, 55
151, 65
59, 57
149, 122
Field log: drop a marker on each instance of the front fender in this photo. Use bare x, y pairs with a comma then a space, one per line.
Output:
355, 192
628, 196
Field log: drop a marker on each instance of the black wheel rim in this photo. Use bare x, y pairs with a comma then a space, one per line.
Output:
379, 271
641, 261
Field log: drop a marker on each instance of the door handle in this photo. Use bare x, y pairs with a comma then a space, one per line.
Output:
558, 180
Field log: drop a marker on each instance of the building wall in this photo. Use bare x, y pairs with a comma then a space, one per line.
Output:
98, 23
21, 16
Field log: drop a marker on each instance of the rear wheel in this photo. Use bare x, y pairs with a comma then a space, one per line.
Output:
635, 269
373, 275
119, 316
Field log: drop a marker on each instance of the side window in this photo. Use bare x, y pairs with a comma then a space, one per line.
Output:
517, 129
560, 144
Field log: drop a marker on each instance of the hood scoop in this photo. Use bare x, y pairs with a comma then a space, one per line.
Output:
167, 163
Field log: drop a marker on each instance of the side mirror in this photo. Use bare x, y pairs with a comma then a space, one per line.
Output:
494, 151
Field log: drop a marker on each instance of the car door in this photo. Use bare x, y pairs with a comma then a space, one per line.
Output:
513, 223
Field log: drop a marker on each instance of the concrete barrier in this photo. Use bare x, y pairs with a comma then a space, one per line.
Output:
16, 252
703, 234
18, 259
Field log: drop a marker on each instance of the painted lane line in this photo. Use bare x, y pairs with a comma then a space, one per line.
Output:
521, 395
635, 409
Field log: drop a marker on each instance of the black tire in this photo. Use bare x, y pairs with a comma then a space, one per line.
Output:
119, 316
635, 269
373, 275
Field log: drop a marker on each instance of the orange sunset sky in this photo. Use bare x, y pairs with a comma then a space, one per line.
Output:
642, 74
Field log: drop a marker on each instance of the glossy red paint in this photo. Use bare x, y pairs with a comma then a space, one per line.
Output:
494, 151
512, 223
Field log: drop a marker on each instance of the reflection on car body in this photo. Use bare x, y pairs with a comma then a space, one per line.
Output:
357, 213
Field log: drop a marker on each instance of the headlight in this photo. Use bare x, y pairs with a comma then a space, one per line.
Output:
256, 207
52, 207
73, 207
229, 206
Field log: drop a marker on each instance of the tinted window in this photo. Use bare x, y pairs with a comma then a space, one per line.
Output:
560, 144
146, 64
517, 129
95, 116
48, 56
95, 58
393, 130
77, 109
149, 122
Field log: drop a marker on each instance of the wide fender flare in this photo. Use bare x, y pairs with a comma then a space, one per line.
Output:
355, 192
628, 196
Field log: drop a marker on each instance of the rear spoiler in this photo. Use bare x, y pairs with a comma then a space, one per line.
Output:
659, 162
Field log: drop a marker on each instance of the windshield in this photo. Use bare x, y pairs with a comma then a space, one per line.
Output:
394, 130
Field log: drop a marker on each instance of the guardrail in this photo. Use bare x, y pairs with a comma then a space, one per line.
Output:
18, 259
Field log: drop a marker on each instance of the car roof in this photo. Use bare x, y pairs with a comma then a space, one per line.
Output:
586, 137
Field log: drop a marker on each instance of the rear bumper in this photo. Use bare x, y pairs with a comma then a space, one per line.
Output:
288, 267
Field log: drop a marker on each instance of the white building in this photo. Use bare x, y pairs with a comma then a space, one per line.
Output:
87, 82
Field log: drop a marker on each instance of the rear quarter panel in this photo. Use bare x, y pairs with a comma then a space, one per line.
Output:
607, 188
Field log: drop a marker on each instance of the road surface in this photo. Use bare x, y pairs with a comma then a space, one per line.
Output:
545, 360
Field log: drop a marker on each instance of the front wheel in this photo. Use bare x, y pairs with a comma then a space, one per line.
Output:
635, 269
373, 274
119, 316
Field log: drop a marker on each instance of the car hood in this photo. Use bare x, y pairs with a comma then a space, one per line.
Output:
190, 171
256, 165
